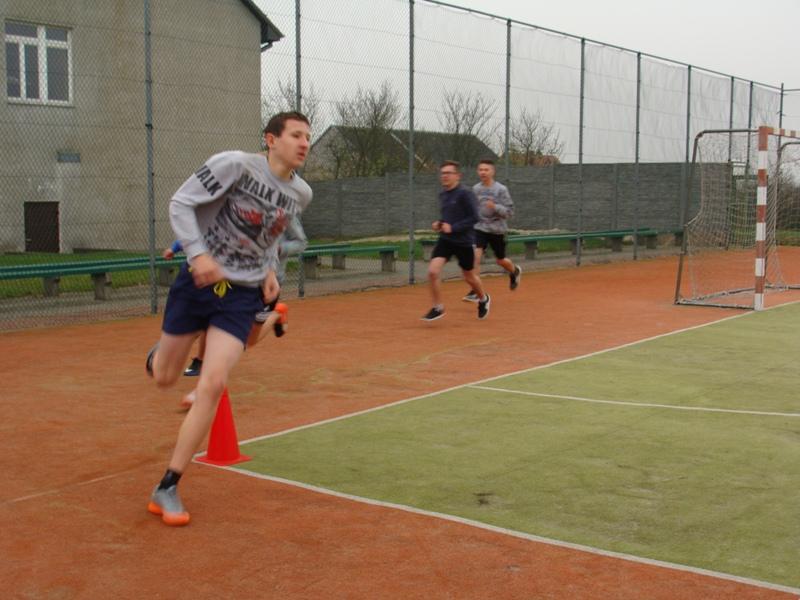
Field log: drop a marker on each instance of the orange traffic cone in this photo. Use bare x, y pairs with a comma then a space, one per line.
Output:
223, 445
280, 326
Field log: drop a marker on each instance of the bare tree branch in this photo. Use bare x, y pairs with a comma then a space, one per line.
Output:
531, 139
469, 117
364, 146
285, 99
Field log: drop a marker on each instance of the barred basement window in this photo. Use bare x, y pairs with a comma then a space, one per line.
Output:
38, 63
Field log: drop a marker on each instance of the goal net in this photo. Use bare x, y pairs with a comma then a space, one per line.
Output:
743, 240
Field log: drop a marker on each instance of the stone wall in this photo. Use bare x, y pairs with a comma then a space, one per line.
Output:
544, 198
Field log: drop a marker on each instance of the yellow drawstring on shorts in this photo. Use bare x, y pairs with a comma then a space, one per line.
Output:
221, 287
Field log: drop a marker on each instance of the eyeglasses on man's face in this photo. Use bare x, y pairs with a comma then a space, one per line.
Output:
448, 172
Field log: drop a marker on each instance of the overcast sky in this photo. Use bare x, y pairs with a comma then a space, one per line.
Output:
721, 35
750, 41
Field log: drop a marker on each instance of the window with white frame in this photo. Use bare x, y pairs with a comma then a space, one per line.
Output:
38, 63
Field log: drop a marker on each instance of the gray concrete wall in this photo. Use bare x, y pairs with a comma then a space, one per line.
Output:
544, 198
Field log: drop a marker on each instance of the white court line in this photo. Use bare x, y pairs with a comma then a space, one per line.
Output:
488, 379
63, 488
493, 528
637, 404
518, 534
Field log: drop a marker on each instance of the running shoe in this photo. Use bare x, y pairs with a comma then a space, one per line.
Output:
167, 503
483, 307
433, 314
193, 370
515, 277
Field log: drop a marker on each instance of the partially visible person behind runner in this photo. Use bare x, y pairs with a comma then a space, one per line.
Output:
193, 370
495, 207
292, 242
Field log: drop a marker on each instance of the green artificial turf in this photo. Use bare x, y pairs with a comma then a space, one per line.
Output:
707, 489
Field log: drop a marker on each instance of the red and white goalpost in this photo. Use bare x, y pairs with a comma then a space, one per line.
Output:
743, 240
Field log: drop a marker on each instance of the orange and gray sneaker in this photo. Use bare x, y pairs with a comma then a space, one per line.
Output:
167, 503
283, 311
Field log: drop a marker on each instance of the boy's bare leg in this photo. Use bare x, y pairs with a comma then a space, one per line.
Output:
258, 331
477, 267
201, 344
435, 279
223, 350
506, 264
261, 329
169, 360
474, 280
478, 257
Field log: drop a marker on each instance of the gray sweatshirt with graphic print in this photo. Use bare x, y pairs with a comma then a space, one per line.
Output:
234, 209
493, 220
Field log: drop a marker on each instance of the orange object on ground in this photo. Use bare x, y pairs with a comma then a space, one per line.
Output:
283, 310
223, 445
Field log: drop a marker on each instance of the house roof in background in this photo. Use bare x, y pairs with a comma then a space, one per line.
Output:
269, 33
439, 143
435, 145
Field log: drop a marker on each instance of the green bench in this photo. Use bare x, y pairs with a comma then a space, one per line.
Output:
427, 248
98, 270
311, 256
328, 246
614, 237
319, 248
531, 241
677, 234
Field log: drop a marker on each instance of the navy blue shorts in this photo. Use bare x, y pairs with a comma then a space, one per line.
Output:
497, 241
191, 309
464, 254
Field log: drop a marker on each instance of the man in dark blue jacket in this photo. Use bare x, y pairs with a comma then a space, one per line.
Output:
456, 237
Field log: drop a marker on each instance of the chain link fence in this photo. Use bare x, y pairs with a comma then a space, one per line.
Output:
109, 108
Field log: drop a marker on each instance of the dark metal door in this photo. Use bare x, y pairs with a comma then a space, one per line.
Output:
41, 227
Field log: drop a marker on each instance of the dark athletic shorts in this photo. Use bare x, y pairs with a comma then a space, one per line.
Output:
465, 254
497, 241
191, 309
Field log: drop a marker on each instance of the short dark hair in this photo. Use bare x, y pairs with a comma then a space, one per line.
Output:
277, 123
486, 161
450, 163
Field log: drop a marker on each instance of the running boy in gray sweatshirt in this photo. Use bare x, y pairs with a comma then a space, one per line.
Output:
495, 207
228, 217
